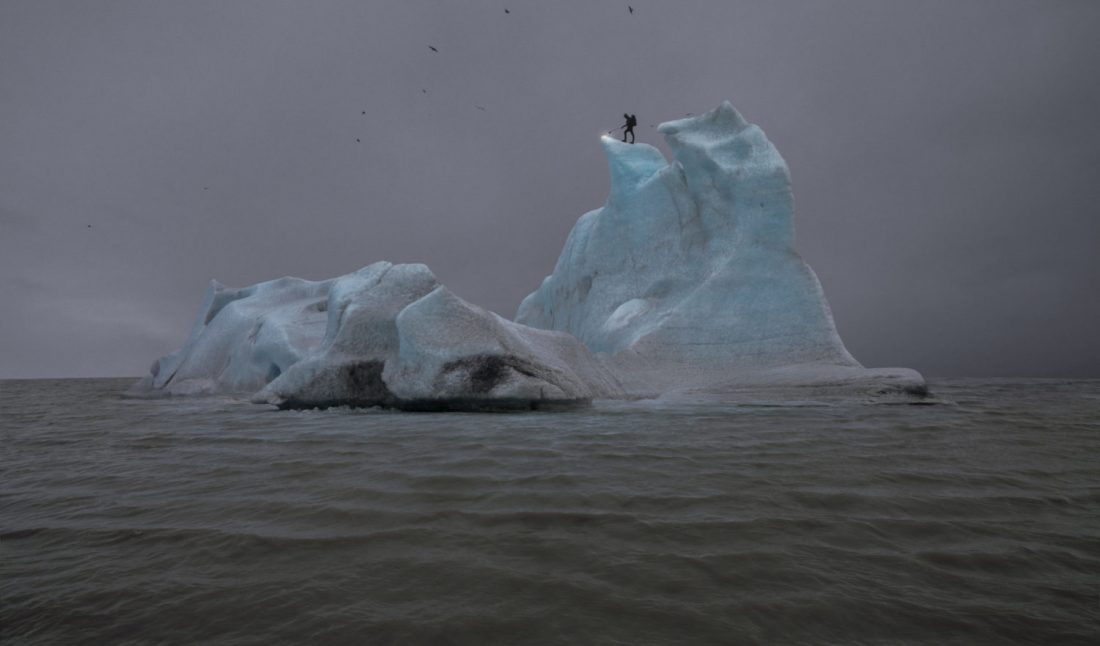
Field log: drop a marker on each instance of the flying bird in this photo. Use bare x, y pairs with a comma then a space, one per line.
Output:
480, 107
364, 111
631, 8
432, 48
424, 91
506, 11
357, 140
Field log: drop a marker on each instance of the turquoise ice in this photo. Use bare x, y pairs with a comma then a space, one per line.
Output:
688, 277
685, 283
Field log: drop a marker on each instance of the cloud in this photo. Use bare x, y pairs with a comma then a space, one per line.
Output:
935, 148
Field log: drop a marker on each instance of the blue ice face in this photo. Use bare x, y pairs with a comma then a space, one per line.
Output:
693, 261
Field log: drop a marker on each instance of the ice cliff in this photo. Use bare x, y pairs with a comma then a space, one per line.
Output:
687, 278
685, 282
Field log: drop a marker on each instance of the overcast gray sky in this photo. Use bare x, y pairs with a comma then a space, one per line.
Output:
945, 156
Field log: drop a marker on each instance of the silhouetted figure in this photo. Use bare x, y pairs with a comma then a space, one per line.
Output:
631, 121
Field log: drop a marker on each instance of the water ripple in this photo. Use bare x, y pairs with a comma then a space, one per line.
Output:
211, 521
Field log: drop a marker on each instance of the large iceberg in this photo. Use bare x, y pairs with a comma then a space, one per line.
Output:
687, 278
685, 283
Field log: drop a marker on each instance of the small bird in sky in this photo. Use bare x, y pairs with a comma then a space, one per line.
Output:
364, 111
424, 91
206, 188
506, 11
89, 226
357, 140
480, 107
432, 48
631, 8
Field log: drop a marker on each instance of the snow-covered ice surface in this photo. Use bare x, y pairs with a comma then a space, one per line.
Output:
685, 286
687, 281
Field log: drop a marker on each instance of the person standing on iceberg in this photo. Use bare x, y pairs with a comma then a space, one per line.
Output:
631, 121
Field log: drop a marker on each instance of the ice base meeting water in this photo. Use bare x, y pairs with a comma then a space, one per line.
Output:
210, 520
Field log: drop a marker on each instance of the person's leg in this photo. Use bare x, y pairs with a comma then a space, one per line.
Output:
625, 130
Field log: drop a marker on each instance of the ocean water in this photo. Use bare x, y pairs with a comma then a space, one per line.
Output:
213, 521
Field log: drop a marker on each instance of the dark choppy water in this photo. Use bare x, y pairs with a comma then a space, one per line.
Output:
214, 521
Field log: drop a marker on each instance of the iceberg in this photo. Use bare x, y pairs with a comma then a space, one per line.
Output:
386, 335
684, 284
244, 338
687, 278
